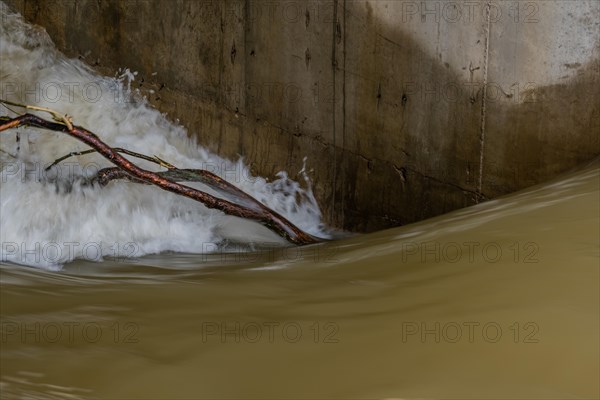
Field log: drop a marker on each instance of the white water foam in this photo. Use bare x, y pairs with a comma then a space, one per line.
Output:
46, 224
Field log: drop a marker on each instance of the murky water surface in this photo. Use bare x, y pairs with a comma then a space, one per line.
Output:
500, 300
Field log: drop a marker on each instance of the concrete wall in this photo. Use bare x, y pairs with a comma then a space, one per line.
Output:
405, 109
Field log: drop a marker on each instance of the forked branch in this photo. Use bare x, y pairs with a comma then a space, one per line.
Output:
167, 180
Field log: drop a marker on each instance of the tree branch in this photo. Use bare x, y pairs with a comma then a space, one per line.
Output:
258, 212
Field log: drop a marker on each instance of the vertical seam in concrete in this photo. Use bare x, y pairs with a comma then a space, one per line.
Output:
221, 68
242, 84
483, 99
333, 64
242, 88
343, 109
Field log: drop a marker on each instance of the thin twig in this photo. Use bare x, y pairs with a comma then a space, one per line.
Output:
65, 119
7, 153
154, 159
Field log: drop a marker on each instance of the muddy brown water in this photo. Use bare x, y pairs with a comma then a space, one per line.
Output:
500, 300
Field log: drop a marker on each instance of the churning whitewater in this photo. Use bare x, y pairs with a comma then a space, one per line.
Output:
47, 218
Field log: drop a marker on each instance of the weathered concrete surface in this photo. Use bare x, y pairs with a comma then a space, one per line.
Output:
405, 109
